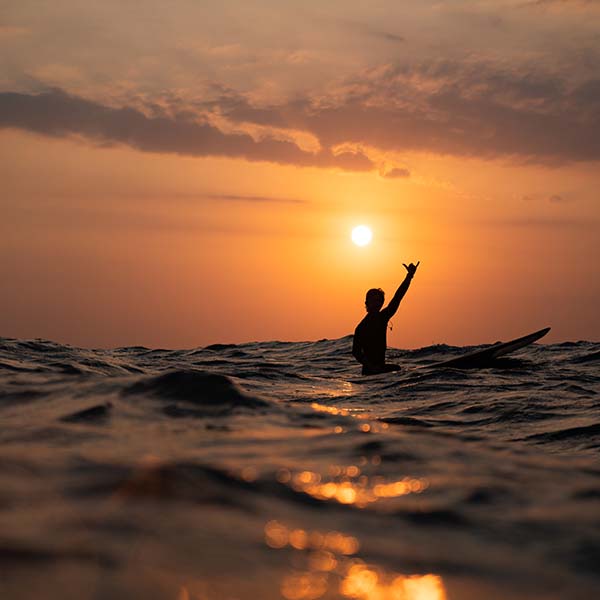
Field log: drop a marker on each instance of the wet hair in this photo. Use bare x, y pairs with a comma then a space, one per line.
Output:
374, 295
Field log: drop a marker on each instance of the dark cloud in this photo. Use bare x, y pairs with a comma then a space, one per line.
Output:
58, 114
471, 109
450, 108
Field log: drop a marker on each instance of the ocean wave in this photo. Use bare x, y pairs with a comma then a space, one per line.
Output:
94, 414
127, 464
585, 432
207, 391
587, 358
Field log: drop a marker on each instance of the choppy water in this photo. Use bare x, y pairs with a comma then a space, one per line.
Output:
273, 470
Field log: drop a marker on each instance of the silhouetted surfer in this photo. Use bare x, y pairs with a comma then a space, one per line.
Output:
370, 335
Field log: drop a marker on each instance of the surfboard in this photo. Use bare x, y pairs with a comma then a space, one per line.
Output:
485, 355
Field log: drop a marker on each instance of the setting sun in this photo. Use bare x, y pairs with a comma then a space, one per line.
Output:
361, 235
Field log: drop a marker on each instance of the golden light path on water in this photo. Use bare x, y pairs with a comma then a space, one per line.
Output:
354, 413
324, 564
331, 565
347, 485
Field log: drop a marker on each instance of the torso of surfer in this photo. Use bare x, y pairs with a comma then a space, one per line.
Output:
370, 336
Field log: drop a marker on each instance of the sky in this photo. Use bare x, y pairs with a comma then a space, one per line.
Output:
176, 174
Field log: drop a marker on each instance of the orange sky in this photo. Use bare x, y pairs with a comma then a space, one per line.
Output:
186, 177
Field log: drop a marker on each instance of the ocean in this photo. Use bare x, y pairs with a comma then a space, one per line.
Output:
273, 470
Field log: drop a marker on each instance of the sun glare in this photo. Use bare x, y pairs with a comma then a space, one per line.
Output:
361, 235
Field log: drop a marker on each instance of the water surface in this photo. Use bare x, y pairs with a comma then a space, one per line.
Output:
273, 470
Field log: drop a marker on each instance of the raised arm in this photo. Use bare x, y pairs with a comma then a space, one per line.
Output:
390, 310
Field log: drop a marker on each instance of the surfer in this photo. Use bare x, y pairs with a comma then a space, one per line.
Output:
370, 341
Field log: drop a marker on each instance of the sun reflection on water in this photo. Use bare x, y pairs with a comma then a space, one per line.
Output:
332, 410
368, 583
331, 565
347, 485
278, 535
356, 413
330, 389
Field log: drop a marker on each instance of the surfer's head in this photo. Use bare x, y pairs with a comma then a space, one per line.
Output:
374, 299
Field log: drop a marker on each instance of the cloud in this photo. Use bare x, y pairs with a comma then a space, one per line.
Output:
10, 31
55, 113
463, 108
536, 222
556, 199
562, 3
396, 173
257, 199
553, 198
386, 36
361, 27
127, 222
474, 109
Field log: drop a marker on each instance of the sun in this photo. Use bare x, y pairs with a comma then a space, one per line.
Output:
361, 235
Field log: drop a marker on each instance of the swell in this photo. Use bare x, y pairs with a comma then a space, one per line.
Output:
205, 390
584, 432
